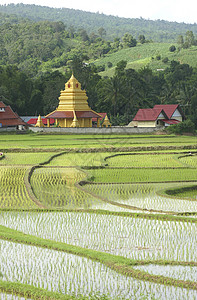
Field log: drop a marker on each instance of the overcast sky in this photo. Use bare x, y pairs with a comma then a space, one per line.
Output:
170, 10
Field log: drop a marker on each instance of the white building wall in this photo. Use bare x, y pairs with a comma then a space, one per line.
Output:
177, 116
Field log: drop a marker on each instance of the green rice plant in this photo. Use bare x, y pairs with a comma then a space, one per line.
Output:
68, 274
13, 192
55, 188
184, 192
142, 175
179, 272
79, 159
189, 160
133, 238
25, 158
54, 142
143, 161
144, 196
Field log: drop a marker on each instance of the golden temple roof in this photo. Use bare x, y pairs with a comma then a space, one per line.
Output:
73, 102
73, 97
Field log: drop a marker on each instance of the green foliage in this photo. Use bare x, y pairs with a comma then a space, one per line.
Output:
159, 30
165, 60
183, 127
142, 39
172, 48
129, 41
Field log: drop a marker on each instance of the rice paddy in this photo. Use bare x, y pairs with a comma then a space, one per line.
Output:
108, 194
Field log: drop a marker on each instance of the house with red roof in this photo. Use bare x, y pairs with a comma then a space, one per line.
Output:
159, 116
32, 120
8, 118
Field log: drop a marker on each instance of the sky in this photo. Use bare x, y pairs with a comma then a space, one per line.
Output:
170, 10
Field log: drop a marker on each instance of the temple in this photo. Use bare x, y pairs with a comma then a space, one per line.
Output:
73, 109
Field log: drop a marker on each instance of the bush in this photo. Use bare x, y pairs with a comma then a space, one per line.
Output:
165, 60
109, 64
158, 57
101, 68
172, 48
182, 127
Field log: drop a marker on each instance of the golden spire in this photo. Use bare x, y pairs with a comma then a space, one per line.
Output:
73, 97
106, 122
75, 122
39, 122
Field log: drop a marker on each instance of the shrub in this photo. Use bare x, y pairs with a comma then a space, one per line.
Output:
182, 127
165, 60
101, 68
172, 48
109, 64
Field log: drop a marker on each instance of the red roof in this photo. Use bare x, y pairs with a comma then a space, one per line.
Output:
33, 121
171, 122
168, 108
148, 114
2, 104
70, 115
8, 117
103, 115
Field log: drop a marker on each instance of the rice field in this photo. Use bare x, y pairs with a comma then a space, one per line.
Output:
142, 161
55, 187
114, 201
142, 175
134, 238
13, 192
25, 158
66, 273
189, 160
147, 196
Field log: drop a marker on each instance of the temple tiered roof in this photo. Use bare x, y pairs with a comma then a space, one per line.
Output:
73, 106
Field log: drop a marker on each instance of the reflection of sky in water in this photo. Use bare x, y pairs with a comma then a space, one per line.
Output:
135, 238
67, 273
177, 272
145, 196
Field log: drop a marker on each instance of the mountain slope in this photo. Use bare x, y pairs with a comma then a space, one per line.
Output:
159, 30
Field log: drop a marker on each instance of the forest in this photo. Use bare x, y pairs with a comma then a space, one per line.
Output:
158, 30
37, 57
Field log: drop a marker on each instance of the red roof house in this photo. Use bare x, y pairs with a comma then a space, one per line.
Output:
8, 118
173, 111
32, 121
159, 115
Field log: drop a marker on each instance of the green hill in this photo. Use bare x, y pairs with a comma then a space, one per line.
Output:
150, 55
159, 30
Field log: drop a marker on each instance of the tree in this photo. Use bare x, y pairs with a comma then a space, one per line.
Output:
142, 39
172, 48
165, 60
189, 38
129, 41
83, 34
102, 32
180, 40
120, 67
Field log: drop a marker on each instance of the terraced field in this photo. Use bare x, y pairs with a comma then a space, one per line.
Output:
98, 218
